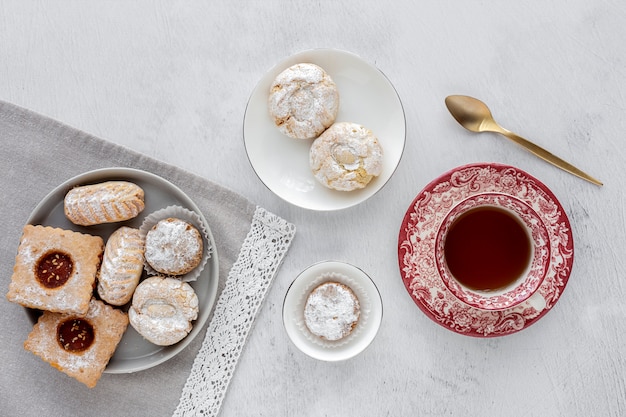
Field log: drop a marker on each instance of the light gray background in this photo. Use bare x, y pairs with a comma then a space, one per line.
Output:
171, 79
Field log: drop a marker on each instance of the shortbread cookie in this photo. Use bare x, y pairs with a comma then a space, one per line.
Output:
122, 265
331, 311
303, 101
106, 202
173, 247
80, 346
55, 269
163, 309
346, 157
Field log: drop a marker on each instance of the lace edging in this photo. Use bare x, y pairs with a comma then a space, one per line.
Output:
236, 309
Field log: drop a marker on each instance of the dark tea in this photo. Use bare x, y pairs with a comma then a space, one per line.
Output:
487, 248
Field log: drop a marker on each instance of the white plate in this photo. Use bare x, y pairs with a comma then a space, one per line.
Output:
134, 353
365, 330
282, 163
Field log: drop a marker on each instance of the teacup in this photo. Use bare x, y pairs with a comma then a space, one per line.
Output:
492, 251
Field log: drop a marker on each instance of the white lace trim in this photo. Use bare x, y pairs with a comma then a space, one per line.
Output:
249, 279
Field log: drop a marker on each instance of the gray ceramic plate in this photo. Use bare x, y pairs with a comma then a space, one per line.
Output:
134, 353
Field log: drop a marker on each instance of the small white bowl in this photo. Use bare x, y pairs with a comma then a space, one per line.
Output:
366, 328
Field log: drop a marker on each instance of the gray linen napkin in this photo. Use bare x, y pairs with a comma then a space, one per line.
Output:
37, 155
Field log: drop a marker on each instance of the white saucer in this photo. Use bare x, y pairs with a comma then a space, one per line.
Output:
367, 97
364, 332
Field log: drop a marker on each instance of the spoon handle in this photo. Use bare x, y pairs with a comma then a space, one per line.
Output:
549, 157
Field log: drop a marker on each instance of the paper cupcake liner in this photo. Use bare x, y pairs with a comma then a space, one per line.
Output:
357, 289
190, 217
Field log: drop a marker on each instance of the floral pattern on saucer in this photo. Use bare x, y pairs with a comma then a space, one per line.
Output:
416, 248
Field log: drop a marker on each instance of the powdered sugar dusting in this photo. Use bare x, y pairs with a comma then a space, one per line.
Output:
74, 295
173, 246
346, 157
163, 309
122, 265
86, 366
331, 311
71, 362
106, 202
303, 101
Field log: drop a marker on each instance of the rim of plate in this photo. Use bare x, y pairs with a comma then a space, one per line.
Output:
367, 97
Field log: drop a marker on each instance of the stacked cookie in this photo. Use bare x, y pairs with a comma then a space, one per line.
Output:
89, 290
304, 103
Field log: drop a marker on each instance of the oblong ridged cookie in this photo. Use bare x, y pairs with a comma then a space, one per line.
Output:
106, 202
122, 265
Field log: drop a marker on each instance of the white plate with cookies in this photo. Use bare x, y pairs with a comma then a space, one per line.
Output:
134, 352
332, 311
281, 155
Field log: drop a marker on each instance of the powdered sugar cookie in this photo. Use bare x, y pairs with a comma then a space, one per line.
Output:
303, 101
331, 311
163, 309
173, 246
346, 157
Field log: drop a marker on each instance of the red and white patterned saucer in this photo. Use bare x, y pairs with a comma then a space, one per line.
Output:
416, 248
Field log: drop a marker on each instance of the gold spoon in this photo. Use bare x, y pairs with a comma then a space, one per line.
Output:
474, 115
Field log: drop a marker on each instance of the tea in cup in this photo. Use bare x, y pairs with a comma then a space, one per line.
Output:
492, 251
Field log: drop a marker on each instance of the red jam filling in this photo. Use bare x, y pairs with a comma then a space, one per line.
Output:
54, 269
75, 335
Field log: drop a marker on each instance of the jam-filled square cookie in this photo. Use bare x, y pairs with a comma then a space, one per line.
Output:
80, 346
55, 269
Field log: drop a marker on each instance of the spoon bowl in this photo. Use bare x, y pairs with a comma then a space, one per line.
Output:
471, 113
475, 116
